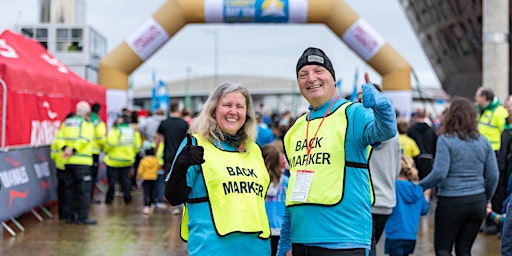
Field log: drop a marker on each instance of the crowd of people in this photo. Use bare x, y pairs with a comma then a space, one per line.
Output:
328, 182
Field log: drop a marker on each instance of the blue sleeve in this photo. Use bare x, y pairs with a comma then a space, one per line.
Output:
424, 205
506, 235
284, 241
383, 126
441, 165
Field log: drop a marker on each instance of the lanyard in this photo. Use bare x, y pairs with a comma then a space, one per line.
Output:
309, 144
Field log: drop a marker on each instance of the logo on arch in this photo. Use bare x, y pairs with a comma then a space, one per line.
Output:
273, 8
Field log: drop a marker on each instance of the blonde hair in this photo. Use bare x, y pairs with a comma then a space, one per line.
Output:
206, 125
409, 169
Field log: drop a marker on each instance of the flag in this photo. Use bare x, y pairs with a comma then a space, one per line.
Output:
160, 100
154, 97
353, 96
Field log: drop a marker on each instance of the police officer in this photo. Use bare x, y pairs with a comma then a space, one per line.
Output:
122, 144
76, 134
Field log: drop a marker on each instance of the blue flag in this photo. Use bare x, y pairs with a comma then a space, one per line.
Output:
159, 97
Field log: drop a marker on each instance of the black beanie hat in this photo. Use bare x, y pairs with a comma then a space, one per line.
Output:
314, 56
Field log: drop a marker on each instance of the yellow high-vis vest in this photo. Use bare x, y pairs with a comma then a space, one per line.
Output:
78, 133
122, 145
236, 185
326, 160
491, 124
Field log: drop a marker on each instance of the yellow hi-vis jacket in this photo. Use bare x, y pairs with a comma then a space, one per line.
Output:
160, 152
122, 145
492, 123
100, 131
326, 159
77, 133
236, 184
56, 150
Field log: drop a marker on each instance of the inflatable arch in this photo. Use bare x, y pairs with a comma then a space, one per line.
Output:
115, 68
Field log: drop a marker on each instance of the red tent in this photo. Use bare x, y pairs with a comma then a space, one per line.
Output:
38, 91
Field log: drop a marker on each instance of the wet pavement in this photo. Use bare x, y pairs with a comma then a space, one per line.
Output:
125, 230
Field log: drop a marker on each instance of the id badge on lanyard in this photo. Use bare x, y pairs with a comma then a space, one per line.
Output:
302, 185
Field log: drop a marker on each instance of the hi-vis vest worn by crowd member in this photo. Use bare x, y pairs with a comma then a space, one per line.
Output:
489, 124
100, 131
236, 186
56, 151
326, 160
77, 133
122, 145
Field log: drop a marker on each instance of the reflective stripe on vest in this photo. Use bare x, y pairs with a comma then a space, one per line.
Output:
236, 185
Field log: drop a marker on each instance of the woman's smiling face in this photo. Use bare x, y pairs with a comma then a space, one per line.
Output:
231, 112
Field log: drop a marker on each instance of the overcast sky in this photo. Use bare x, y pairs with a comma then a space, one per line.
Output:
244, 49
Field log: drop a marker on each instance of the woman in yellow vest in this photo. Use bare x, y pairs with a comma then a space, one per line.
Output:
220, 175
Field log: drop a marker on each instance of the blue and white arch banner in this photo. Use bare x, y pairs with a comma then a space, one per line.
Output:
256, 11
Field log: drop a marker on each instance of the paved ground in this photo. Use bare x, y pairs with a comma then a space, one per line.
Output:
125, 230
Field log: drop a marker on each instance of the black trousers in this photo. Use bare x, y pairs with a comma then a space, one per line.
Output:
379, 222
149, 192
94, 173
121, 175
304, 250
457, 221
63, 200
77, 186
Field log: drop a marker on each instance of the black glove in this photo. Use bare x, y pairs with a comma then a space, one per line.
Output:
176, 190
191, 155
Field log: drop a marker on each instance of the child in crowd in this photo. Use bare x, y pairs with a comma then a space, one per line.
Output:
148, 172
496, 217
276, 194
408, 146
402, 226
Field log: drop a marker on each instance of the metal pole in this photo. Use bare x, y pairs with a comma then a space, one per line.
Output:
496, 47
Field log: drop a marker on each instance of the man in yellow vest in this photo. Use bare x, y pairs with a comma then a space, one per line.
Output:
77, 134
329, 196
493, 114
491, 123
